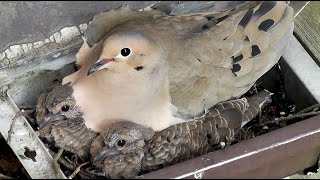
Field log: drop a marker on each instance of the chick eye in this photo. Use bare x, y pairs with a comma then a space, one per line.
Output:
65, 108
125, 52
121, 143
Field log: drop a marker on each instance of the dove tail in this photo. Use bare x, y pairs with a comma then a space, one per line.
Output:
256, 103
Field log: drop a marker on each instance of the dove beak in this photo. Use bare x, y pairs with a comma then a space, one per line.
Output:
98, 65
106, 151
49, 118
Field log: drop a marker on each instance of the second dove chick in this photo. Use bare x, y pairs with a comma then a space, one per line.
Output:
63, 120
130, 148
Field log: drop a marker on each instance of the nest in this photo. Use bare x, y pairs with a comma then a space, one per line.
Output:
279, 113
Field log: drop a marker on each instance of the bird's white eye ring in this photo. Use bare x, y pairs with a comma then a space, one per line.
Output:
125, 52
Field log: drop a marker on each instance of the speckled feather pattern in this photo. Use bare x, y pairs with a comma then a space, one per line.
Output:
73, 136
182, 141
191, 139
210, 57
69, 134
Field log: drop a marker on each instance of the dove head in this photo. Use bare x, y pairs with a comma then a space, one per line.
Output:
60, 105
129, 53
124, 138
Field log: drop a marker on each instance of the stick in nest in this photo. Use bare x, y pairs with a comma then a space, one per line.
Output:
70, 166
302, 115
75, 172
2, 176
316, 106
56, 165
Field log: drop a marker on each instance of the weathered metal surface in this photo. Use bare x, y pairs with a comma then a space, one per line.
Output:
277, 154
22, 139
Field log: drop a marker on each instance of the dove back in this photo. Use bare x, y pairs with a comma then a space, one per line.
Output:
225, 59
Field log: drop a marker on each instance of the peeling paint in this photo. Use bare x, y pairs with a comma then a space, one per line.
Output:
38, 44
16, 50
47, 41
83, 27
57, 37
9, 54
2, 55
5, 62
51, 38
68, 33
60, 39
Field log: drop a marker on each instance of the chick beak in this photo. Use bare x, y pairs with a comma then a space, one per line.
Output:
106, 151
97, 66
49, 118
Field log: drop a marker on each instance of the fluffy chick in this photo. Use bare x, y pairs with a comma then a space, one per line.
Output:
130, 148
60, 119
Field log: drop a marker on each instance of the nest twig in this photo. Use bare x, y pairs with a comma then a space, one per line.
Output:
2, 176
65, 163
75, 172
281, 119
311, 108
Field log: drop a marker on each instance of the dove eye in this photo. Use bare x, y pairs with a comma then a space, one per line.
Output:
125, 52
65, 108
121, 143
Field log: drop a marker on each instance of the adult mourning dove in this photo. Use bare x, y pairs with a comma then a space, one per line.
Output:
60, 118
157, 70
130, 148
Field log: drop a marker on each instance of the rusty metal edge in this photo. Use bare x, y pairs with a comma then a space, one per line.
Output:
277, 154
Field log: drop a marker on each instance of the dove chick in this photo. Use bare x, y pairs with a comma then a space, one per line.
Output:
130, 149
63, 121
167, 68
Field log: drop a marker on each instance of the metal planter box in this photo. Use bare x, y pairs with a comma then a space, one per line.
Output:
277, 154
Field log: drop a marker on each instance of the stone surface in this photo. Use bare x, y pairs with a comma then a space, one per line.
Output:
24, 22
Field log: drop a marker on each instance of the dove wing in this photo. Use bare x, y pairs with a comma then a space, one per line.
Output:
225, 60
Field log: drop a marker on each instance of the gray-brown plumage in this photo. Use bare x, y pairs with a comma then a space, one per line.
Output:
130, 148
167, 68
60, 120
